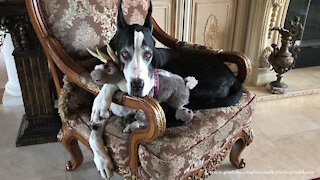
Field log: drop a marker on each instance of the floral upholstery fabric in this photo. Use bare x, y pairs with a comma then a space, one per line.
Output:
183, 149
180, 149
75, 109
116, 142
81, 24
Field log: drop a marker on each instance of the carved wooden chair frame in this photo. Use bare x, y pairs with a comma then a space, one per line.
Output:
61, 64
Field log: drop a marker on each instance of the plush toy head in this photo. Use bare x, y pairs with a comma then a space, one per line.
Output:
109, 72
106, 73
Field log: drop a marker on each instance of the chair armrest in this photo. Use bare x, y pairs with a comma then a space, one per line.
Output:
242, 61
156, 120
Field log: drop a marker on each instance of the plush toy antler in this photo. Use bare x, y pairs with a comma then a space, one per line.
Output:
103, 57
112, 54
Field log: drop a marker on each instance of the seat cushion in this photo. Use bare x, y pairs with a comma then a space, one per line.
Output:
183, 149
180, 149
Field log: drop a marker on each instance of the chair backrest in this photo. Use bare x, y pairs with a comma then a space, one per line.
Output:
81, 24
66, 28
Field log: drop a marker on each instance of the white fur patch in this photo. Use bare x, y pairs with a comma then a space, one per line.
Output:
164, 73
100, 66
191, 82
137, 68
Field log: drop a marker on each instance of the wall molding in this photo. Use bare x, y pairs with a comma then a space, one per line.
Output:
263, 15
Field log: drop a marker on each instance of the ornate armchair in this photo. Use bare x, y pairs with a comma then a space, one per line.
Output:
65, 29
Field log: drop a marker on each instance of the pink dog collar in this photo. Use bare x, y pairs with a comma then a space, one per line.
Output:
156, 83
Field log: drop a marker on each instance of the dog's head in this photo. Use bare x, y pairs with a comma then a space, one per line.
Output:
134, 45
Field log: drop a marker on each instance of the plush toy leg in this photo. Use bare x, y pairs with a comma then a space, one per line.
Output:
70, 143
140, 122
184, 114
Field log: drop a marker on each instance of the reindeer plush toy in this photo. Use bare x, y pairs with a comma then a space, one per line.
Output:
172, 89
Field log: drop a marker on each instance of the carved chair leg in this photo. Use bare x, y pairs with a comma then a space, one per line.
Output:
235, 154
70, 143
244, 140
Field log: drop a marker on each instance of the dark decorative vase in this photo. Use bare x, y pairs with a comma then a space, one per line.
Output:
282, 60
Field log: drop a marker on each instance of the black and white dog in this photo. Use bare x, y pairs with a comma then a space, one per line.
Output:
217, 86
135, 46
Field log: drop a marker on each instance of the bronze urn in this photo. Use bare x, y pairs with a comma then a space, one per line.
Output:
282, 60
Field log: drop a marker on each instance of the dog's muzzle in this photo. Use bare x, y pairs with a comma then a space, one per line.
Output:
136, 86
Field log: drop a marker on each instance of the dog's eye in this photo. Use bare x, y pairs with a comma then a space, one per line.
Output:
147, 55
125, 54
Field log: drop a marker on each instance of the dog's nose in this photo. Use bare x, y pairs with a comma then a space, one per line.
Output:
137, 85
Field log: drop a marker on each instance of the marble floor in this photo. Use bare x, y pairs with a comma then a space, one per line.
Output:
301, 81
286, 146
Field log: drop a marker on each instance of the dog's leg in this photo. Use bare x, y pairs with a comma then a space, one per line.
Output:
101, 103
100, 153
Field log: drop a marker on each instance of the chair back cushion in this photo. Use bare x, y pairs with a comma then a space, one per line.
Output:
81, 24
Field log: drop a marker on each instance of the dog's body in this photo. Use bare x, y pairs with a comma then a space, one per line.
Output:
217, 86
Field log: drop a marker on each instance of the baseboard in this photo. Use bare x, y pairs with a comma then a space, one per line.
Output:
272, 97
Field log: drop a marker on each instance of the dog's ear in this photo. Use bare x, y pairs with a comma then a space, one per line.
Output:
121, 22
148, 20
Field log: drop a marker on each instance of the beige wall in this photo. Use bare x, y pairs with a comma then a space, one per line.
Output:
232, 25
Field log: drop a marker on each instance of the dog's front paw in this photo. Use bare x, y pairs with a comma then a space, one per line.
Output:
104, 165
102, 102
100, 109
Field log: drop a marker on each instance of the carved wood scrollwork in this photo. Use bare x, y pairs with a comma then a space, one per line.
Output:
211, 31
40, 123
128, 174
213, 163
22, 34
276, 4
60, 135
264, 63
249, 132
